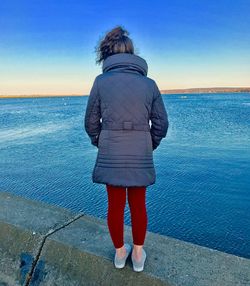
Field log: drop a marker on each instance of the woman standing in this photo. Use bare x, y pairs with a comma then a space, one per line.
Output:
122, 102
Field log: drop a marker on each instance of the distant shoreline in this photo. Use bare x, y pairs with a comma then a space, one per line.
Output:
206, 90
166, 91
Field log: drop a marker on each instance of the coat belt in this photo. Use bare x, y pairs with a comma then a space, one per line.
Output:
125, 125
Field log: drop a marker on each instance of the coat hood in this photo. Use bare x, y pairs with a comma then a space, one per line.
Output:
124, 61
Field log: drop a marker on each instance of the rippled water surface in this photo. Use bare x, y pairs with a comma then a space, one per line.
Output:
202, 190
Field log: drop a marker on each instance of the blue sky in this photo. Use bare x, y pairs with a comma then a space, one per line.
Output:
48, 46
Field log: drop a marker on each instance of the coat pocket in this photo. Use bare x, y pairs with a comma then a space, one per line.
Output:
103, 142
148, 140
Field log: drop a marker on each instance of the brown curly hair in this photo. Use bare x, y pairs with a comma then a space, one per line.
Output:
114, 42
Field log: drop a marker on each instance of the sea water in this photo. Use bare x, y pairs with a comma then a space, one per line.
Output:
202, 189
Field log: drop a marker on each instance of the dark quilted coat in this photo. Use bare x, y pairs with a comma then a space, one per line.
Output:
122, 103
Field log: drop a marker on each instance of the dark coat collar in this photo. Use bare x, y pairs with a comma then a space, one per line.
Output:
125, 62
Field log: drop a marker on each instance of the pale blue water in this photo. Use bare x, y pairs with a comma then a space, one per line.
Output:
202, 191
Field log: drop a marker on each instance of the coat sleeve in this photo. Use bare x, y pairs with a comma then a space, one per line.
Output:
159, 118
92, 117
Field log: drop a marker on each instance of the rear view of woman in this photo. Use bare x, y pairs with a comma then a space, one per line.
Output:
122, 102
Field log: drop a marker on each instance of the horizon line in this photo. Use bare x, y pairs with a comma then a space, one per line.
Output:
162, 91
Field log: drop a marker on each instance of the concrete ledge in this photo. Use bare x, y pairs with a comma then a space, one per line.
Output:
42, 244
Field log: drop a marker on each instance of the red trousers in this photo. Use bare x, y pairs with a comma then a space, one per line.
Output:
115, 214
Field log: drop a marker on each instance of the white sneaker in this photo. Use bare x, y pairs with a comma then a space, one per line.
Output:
138, 266
120, 262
